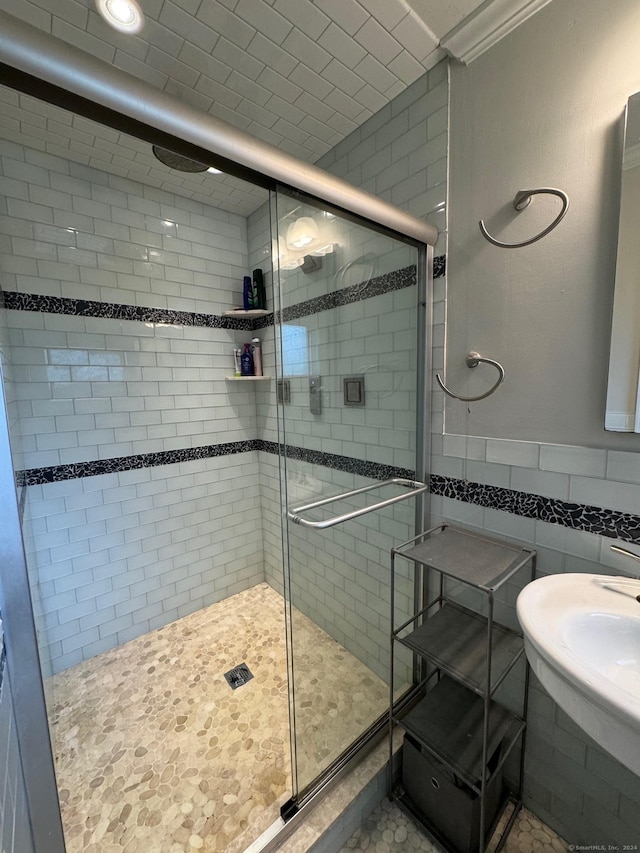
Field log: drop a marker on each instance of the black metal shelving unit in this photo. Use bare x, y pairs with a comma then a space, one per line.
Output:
457, 736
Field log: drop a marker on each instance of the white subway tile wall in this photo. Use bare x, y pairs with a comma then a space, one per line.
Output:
79, 232
15, 408
51, 130
97, 388
115, 555
340, 577
400, 154
375, 338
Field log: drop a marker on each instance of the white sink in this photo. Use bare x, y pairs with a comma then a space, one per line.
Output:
582, 638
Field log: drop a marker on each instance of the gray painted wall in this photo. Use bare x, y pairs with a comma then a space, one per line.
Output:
543, 107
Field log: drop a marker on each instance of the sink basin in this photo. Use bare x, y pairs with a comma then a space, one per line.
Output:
582, 639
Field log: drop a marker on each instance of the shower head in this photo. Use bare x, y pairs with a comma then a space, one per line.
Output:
177, 161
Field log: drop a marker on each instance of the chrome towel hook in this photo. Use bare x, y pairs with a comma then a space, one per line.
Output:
522, 200
473, 360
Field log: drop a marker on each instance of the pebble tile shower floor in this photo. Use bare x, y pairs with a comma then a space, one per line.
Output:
156, 753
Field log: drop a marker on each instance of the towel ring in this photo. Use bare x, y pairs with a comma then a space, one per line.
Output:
473, 360
522, 200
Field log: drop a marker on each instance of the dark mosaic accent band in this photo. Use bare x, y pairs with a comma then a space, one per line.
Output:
387, 283
78, 470
590, 519
439, 266
373, 470
3, 659
117, 311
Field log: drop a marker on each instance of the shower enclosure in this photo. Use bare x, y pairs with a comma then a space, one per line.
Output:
167, 505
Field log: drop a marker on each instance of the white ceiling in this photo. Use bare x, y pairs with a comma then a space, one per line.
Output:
299, 74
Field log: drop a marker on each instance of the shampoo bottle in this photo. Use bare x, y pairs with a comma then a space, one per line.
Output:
246, 361
248, 299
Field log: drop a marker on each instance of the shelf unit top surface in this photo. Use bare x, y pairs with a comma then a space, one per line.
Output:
468, 556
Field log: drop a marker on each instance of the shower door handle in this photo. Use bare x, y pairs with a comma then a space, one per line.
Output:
415, 488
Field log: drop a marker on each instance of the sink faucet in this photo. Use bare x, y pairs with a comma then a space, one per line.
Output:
625, 551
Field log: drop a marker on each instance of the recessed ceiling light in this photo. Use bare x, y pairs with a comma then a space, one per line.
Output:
123, 15
213, 171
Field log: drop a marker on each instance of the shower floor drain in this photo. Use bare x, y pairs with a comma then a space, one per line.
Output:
238, 676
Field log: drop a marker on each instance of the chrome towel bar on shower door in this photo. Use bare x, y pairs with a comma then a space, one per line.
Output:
414, 486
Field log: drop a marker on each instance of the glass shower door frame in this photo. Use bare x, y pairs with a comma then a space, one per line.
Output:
288, 809
23, 662
302, 794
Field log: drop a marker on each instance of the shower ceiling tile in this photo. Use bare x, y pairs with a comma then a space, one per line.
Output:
304, 15
417, 40
387, 14
377, 41
307, 51
272, 25
206, 64
405, 67
221, 20
261, 120
185, 25
279, 85
272, 55
310, 82
300, 74
376, 74
337, 42
343, 79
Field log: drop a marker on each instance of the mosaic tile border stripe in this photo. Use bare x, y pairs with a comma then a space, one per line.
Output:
613, 524
349, 464
387, 283
3, 658
79, 470
589, 519
117, 311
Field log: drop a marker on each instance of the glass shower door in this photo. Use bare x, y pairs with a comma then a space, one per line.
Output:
350, 353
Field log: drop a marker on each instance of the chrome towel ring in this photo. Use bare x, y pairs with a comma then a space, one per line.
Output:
522, 200
473, 360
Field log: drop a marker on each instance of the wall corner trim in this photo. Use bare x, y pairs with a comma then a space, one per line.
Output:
487, 26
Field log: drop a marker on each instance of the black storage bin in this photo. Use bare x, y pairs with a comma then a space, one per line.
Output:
448, 804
